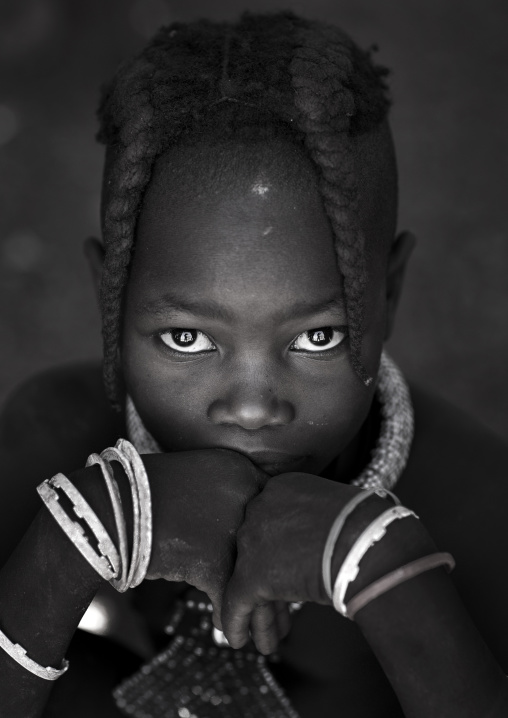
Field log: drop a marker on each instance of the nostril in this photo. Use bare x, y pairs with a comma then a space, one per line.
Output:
251, 414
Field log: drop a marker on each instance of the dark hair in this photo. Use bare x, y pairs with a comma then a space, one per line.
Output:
300, 79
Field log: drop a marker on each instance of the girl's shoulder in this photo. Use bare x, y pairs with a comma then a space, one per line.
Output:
62, 411
457, 482
454, 458
50, 423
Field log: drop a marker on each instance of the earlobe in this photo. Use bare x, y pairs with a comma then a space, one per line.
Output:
94, 252
398, 258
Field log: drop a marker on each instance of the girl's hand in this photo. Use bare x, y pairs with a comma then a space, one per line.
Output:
199, 500
280, 549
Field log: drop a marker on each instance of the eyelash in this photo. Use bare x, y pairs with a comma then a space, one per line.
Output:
177, 352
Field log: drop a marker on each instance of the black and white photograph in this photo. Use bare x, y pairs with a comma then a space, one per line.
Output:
253, 359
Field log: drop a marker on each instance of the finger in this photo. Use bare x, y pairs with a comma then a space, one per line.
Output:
283, 618
264, 628
216, 600
216, 617
235, 616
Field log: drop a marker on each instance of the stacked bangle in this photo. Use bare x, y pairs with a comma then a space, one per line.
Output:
117, 581
337, 527
107, 563
351, 564
371, 535
111, 563
145, 505
134, 469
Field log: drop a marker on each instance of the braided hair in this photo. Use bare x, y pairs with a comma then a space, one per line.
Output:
265, 76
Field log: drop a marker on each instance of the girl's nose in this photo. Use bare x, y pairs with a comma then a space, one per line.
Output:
251, 408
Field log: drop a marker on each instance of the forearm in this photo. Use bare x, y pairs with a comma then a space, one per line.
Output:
45, 587
428, 646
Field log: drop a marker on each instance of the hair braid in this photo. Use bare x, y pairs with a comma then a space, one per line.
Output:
307, 82
134, 148
321, 69
136, 116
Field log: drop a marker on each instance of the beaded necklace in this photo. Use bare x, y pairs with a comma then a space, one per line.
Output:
199, 675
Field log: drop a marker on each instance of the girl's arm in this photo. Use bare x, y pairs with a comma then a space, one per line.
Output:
198, 500
426, 642
45, 588
431, 651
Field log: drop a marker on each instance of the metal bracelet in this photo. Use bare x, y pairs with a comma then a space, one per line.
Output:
337, 527
125, 453
113, 454
120, 583
84, 511
335, 530
372, 534
18, 653
145, 513
397, 577
106, 565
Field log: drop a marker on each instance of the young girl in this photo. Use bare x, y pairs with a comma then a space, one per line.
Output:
248, 277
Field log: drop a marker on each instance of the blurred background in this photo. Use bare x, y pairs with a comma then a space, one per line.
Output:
450, 119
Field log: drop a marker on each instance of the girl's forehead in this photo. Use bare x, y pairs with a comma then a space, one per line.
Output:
204, 171
249, 228
205, 174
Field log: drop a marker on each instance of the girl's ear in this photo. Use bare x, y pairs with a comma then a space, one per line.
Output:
398, 258
94, 252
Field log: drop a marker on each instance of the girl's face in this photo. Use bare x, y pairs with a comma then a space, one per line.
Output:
235, 328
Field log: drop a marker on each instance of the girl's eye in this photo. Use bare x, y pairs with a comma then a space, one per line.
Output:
319, 339
187, 341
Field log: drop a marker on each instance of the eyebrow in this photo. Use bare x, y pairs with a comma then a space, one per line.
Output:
171, 304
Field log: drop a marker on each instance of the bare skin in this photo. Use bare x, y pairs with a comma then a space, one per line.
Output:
258, 389
325, 660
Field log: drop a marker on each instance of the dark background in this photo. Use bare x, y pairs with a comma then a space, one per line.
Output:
449, 61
